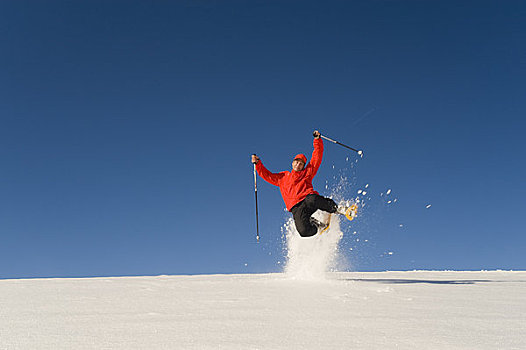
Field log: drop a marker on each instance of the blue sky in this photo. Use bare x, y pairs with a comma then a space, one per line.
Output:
127, 128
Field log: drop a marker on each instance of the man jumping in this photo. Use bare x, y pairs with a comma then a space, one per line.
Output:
297, 191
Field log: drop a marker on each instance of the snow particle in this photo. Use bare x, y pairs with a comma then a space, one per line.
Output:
428, 206
388, 192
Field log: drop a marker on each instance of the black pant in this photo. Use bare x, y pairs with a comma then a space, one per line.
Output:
304, 209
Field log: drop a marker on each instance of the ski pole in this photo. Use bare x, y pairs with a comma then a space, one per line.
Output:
341, 144
256, 193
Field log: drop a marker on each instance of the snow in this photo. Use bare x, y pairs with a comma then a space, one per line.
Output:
309, 306
310, 258
306, 307
363, 310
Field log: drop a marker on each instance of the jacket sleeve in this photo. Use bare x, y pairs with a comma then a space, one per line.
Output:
266, 175
317, 156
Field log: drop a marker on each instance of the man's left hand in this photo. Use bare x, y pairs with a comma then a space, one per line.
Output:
316, 134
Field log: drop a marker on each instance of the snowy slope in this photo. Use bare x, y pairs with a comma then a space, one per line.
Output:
349, 310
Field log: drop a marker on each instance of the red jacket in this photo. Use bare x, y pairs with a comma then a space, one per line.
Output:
295, 185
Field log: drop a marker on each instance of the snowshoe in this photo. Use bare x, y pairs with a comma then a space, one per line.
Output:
350, 212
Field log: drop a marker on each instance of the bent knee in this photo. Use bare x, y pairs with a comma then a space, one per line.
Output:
307, 231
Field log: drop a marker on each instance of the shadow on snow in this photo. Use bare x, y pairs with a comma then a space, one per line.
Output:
409, 281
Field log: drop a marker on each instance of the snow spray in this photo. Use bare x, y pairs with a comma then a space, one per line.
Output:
310, 258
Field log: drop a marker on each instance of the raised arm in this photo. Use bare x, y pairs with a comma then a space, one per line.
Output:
266, 175
317, 153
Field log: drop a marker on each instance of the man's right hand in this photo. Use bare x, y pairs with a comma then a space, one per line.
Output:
255, 159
